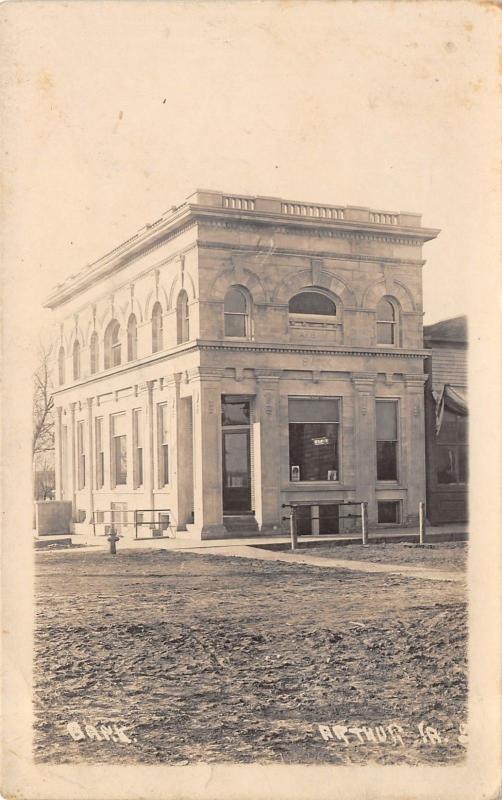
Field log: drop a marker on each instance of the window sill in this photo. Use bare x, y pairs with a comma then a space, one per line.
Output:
292, 485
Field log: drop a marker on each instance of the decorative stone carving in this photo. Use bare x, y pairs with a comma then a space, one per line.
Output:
316, 265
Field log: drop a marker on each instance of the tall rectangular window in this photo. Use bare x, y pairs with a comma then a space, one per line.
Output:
138, 447
163, 445
119, 449
451, 449
313, 438
80, 455
387, 439
100, 455
64, 458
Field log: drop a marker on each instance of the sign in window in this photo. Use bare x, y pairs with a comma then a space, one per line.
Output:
313, 438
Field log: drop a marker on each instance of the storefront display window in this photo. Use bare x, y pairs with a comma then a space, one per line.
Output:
313, 439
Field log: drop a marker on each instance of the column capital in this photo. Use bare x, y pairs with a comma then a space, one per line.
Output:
89, 402
268, 375
413, 381
363, 380
205, 374
173, 380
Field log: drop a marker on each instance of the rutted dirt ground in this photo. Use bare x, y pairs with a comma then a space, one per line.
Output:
203, 658
451, 557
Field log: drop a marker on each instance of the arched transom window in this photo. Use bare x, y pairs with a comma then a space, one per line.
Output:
183, 318
236, 313
113, 355
157, 332
312, 303
386, 322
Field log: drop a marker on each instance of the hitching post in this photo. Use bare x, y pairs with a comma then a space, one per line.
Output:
113, 539
421, 522
292, 529
364, 522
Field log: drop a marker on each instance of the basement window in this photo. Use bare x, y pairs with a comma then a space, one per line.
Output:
389, 512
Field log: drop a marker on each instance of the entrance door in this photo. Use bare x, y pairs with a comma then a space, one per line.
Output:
236, 472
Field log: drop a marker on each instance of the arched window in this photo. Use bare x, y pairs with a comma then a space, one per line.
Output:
183, 319
76, 359
236, 313
61, 365
312, 303
132, 338
157, 328
113, 354
386, 322
94, 353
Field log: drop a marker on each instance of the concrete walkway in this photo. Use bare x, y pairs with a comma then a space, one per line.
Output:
250, 548
301, 557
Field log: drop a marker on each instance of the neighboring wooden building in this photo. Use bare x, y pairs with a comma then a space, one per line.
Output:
446, 415
240, 353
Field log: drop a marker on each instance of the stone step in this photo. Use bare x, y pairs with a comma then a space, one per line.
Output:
240, 522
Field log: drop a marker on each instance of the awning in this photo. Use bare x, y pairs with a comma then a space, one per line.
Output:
452, 398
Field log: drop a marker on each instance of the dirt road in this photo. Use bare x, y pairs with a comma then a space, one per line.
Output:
202, 658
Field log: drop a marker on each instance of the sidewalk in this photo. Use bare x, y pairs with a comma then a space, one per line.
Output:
275, 549
435, 534
300, 557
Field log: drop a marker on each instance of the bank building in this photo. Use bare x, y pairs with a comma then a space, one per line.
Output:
238, 354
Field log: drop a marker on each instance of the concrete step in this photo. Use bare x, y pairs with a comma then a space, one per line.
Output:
235, 523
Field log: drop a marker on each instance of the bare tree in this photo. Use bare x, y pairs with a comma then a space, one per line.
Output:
43, 403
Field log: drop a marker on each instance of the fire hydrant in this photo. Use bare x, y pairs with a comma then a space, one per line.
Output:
113, 538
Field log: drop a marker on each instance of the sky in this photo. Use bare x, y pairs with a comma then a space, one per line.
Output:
116, 111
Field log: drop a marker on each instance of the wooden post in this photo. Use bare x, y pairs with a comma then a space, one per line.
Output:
421, 522
364, 522
292, 529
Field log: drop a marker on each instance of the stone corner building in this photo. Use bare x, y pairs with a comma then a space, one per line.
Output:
240, 353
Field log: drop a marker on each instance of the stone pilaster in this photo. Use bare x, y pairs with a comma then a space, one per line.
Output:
414, 434
90, 461
72, 471
180, 452
364, 440
58, 443
266, 443
207, 464
149, 446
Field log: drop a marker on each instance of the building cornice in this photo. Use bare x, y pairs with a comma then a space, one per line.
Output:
322, 228
246, 250
259, 213
114, 261
339, 350
251, 347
